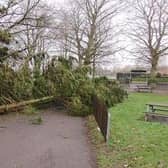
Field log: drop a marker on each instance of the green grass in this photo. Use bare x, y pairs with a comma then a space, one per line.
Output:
157, 80
36, 120
34, 115
30, 110
133, 142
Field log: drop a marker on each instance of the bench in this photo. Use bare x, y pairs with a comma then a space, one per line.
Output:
140, 87
152, 107
144, 89
153, 113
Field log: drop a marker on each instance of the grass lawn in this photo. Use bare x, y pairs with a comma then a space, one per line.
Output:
135, 143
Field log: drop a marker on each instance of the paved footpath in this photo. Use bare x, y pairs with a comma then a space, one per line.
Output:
59, 142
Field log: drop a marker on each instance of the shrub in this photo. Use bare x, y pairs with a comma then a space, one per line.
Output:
41, 87
74, 106
152, 80
158, 75
7, 90
85, 91
77, 108
63, 79
5, 36
58, 79
23, 84
109, 91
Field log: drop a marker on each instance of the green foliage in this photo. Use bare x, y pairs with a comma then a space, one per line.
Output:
75, 86
3, 53
109, 91
152, 80
66, 63
85, 91
20, 85
23, 84
34, 114
72, 84
158, 75
30, 110
61, 80
76, 107
82, 71
5, 37
36, 120
156, 79
3, 9
41, 87
7, 76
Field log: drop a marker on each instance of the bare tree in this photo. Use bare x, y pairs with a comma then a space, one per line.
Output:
36, 38
88, 31
13, 13
150, 31
13, 16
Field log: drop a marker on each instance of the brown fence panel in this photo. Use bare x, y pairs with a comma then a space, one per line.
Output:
101, 115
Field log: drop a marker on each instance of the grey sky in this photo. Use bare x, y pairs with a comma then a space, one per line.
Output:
57, 2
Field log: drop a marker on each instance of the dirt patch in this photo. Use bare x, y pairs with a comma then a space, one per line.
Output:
59, 142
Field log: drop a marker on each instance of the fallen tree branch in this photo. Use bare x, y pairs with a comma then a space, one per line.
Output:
20, 106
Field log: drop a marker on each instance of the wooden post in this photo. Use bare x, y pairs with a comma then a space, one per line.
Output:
148, 109
108, 127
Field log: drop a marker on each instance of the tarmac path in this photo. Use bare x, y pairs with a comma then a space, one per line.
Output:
59, 142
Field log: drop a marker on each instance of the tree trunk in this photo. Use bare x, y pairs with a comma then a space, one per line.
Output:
94, 69
154, 66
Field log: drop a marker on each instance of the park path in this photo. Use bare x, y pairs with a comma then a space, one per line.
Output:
59, 142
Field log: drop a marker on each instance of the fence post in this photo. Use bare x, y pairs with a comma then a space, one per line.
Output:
108, 126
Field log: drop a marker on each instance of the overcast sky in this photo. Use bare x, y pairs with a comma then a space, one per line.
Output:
57, 2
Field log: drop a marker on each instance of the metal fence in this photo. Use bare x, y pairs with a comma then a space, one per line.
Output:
102, 116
